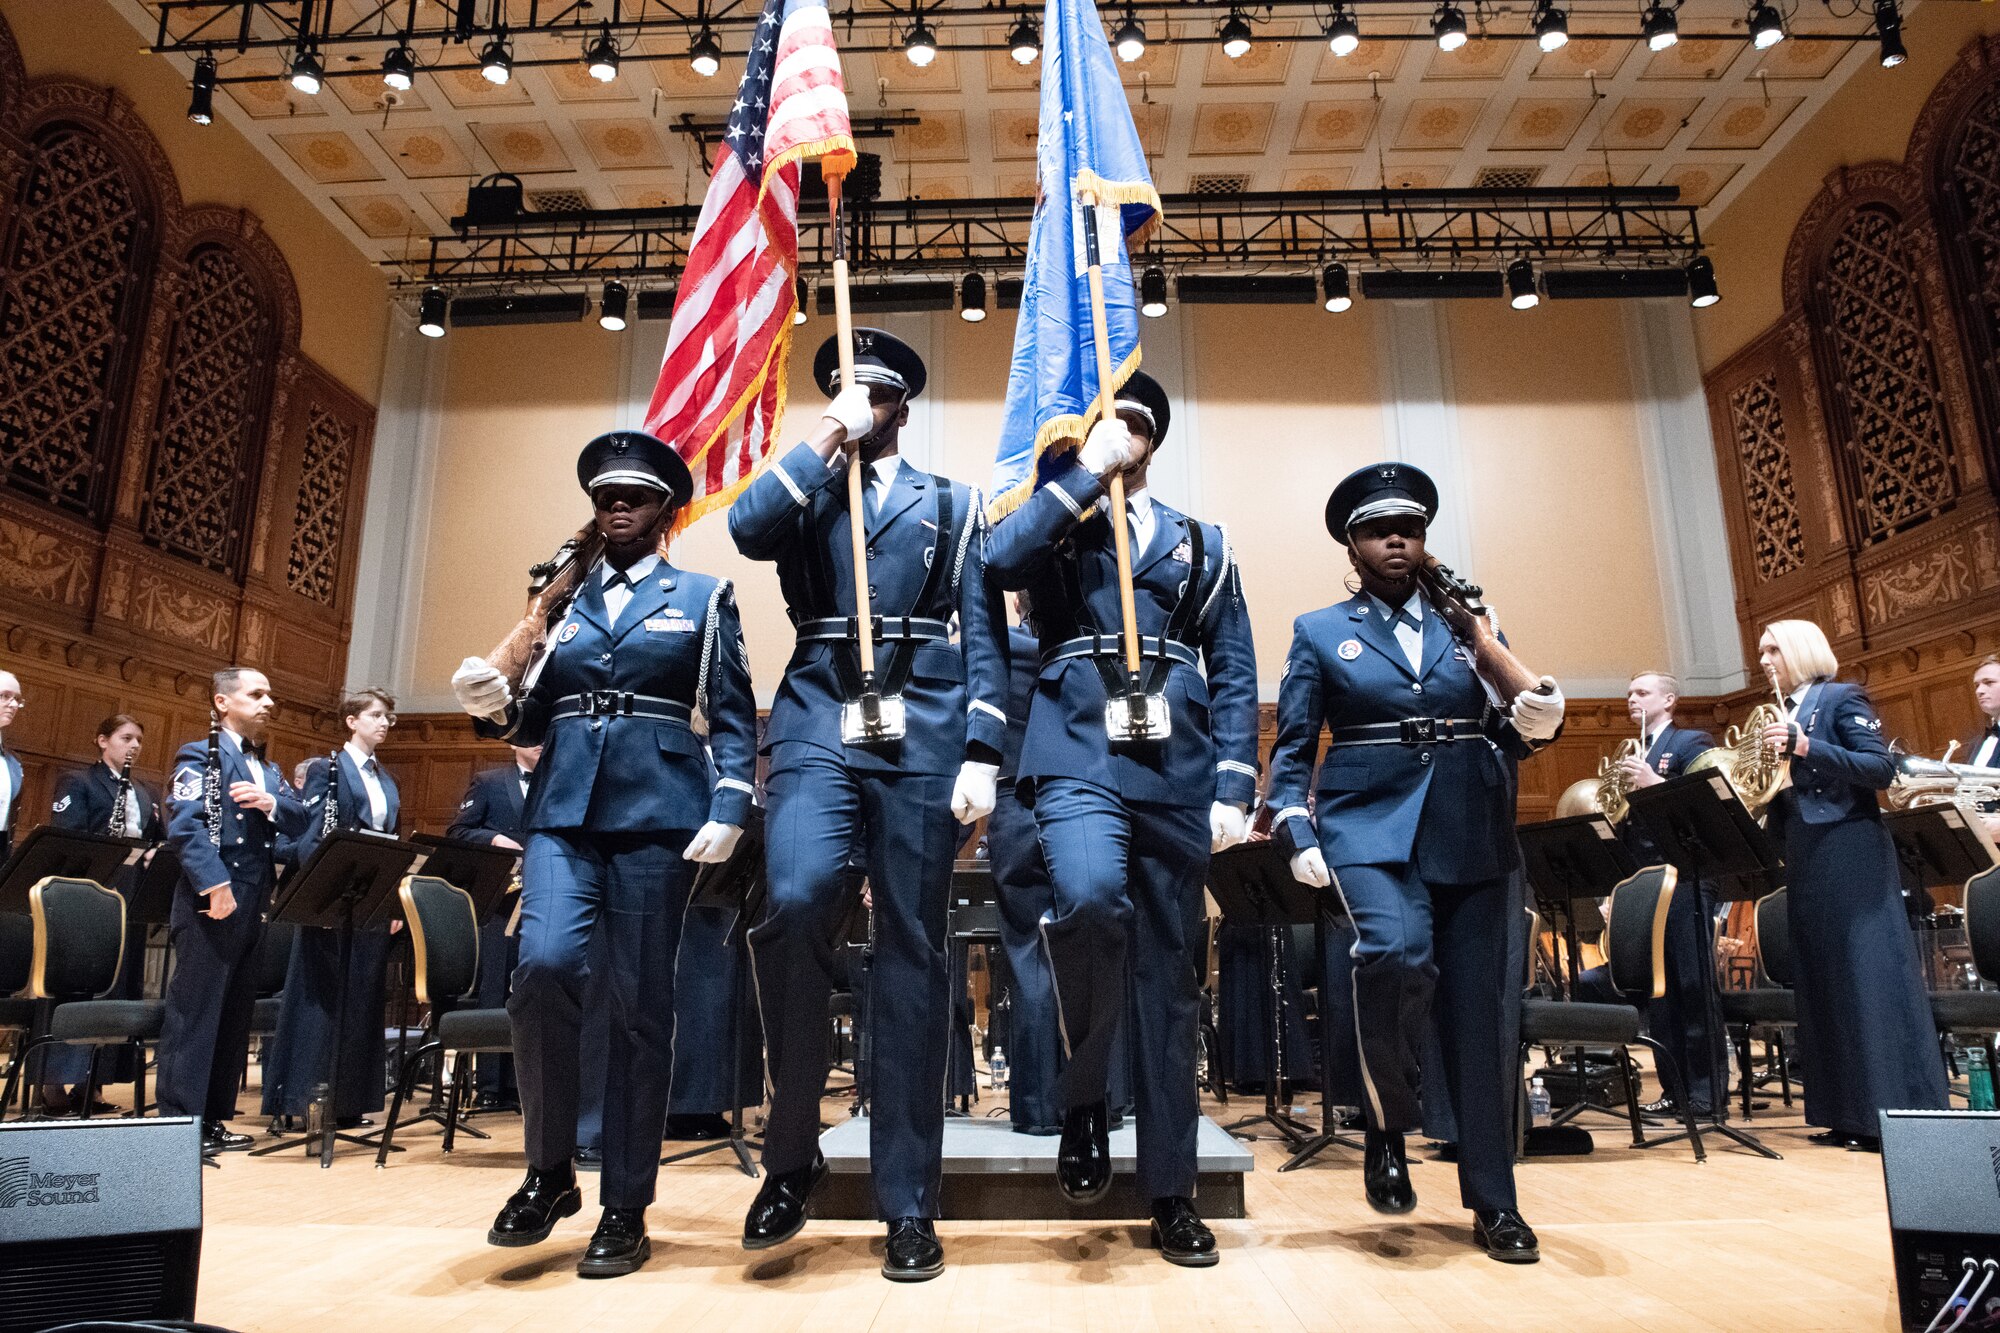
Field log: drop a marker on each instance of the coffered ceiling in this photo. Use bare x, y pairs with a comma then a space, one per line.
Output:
1704, 115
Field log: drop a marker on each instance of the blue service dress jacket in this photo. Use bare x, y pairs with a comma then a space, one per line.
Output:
1848, 762
616, 769
1449, 806
86, 799
926, 560
243, 857
1059, 550
351, 797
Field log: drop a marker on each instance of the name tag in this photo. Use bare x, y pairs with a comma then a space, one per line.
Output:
670, 625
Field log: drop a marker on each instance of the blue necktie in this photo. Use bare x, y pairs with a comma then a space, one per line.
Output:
871, 508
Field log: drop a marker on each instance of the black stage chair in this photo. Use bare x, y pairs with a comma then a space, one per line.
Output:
444, 941
79, 944
17, 1010
274, 956
1635, 949
1774, 1008
1974, 1012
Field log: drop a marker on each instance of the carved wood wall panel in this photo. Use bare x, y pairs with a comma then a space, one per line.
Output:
314, 565
1757, 429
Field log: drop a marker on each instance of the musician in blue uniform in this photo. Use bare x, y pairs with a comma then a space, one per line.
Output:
1128, 828
226, 809
10, 767
490, 814
1866, 1036
1687, 1020
898, 802
1415, 831
621, 807
349, 791
104, 798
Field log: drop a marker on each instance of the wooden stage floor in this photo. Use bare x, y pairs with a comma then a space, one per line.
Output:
1631, 1241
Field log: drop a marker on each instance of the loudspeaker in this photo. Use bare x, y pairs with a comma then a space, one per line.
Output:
99, 1219
1942, 1170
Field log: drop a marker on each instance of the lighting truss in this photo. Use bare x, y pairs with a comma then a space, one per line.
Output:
1631, 227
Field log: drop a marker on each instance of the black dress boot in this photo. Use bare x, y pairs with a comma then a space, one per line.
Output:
1385, 1173
913, 1253
532, 1211
1505, 1236
1180, 1234
618, 1246
779, 1210
1083, 1160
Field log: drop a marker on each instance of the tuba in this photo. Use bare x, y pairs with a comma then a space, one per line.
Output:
1756, 772
1607, 793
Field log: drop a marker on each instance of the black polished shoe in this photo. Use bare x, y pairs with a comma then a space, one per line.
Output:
1505, 1236
590, 1159
217, 1137
1831, 1138
1180, 1234
618, 1246
1864, 1143
1385, 1173
1083, 1160
779, 1210
1664, 1106
532, 1211
913, 1253
698, 1128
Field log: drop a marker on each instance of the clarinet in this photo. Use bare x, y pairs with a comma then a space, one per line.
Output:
121, 807
211, 781
331, 822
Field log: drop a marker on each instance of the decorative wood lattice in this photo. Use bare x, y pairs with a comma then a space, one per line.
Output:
1757, 422
313, 569
65, 298
211, 414
1973, 182
1898, 456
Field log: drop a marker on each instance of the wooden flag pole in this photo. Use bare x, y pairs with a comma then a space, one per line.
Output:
843, 317
1107, 408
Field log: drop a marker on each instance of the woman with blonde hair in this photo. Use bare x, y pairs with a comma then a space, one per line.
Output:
1864, 1020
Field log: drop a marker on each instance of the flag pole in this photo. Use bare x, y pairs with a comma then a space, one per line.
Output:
1106, 409
843, 317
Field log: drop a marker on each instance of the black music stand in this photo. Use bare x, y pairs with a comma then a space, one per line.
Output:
349, 881
65, 854
1253, 886
486, 874
1331, 912
1703, 831
737, 884
972, 917
1936, 847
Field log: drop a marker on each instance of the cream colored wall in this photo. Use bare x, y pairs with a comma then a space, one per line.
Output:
1285, 403
344, 299
1868, 120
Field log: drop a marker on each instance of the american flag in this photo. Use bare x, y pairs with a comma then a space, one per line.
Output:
721, 394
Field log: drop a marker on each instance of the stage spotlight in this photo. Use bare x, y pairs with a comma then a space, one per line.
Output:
1448, 26
1767, 27
201, 98
1889, 32
1153, 292
920, 43
1343, 34
972, 298
1551, 28
307, 72
1521, 293
1130, 39
1234, 35
1333, 284
1025, 43
430, 313
706, 54
1661, 26
1701, 283
801, 301
601, 56
611, 309
496, 62
399, 68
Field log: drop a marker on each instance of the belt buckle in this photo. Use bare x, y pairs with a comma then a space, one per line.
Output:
1420, 731
601, 703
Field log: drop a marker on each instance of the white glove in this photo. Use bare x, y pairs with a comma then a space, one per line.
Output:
481, 689
1108, 447
1538, 716
714, 843
852, 412
1309, 867
973, 795
1227, 826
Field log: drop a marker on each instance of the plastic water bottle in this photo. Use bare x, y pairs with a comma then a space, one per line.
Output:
997, 1067
316, 1111
1538, 1103
1978, 1078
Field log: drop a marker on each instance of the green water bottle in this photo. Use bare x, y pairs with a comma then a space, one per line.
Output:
1978, 1078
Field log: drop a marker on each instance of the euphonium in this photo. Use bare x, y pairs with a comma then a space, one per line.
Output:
1756, 771
1921, 782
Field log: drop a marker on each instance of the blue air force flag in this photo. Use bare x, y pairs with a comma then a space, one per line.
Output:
1087, 148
